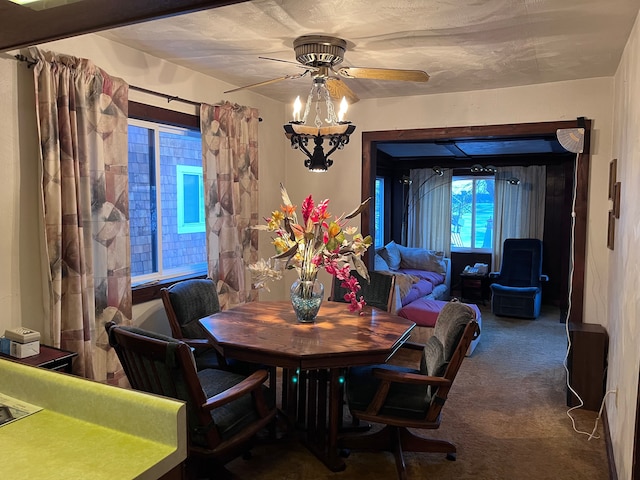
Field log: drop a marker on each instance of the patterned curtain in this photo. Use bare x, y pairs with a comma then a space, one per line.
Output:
230, 167
82, 124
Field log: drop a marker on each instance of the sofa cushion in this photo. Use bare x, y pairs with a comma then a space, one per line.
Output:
417, 290
422, 259
433, 277
423, 312
391, 254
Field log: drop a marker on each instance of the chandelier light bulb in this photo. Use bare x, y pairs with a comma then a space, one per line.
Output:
344, 106
297, 107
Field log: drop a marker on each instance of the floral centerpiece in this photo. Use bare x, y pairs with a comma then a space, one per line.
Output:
308, 246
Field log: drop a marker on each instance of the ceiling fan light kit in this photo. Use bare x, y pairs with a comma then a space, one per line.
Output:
319, 54
326, 125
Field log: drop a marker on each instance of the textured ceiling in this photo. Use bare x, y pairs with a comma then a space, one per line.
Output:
462, 44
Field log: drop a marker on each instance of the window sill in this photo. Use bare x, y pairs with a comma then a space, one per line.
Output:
147, 292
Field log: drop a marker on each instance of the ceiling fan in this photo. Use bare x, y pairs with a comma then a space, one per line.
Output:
319, 54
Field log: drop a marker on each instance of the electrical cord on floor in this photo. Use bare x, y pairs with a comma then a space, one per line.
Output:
591, 434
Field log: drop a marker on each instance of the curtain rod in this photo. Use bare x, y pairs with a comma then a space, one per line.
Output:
170, 98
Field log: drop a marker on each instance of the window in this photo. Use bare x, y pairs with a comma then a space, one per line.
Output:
190, 199
472, 201
378, 241
166, 202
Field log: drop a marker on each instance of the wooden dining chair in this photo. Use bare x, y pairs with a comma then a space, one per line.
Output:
402, 397
377, 291
225, 410
185, 303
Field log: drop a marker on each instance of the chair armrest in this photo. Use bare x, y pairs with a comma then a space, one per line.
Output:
410, 378
412, 346
197, 342
544, 278
494, 274
249, 384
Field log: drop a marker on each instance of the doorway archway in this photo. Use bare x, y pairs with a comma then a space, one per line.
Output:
369, 165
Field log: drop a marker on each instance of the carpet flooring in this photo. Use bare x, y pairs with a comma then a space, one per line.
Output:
506, 413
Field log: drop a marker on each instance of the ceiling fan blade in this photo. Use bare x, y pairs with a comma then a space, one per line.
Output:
283, 61
338, 89
383, 74
268, 82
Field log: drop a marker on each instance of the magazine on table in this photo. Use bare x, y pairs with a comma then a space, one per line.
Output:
12, 409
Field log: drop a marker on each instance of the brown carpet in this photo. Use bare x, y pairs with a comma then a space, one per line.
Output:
506, 413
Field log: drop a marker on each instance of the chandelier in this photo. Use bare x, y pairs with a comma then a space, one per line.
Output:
327, 125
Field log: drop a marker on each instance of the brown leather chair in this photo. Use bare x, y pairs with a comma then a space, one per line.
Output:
401, 397
225, 410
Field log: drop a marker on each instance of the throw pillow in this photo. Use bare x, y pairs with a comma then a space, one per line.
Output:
391, 254
379, 263
422, 259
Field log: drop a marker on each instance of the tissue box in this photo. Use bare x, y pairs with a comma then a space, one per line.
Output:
22, 350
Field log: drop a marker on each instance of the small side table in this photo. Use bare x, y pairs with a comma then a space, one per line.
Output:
474, 287
49, 357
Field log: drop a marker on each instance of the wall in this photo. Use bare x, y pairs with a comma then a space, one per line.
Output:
20, 272
624, 300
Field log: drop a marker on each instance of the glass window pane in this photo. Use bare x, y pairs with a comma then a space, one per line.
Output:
191, 198
142, 201
179, 250
472, 203
484, 213
461, 212
158, 248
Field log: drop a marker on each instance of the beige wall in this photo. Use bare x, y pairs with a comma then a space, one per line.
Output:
624, 287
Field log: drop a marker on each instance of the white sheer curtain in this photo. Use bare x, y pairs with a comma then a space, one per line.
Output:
429, 210
519, 209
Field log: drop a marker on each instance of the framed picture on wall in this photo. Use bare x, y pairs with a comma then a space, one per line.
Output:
616, 199
611, 230
613, 164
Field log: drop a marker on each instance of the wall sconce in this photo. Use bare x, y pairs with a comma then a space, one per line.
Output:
333, 128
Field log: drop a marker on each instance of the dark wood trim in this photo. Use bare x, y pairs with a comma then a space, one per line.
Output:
22, 26
142, 111
613, 472
635, 466
147, 292
369, 161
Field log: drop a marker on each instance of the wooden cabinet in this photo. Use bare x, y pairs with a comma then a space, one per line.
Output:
587, 364
475, 288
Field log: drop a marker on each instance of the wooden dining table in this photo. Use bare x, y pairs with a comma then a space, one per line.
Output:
313, 356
